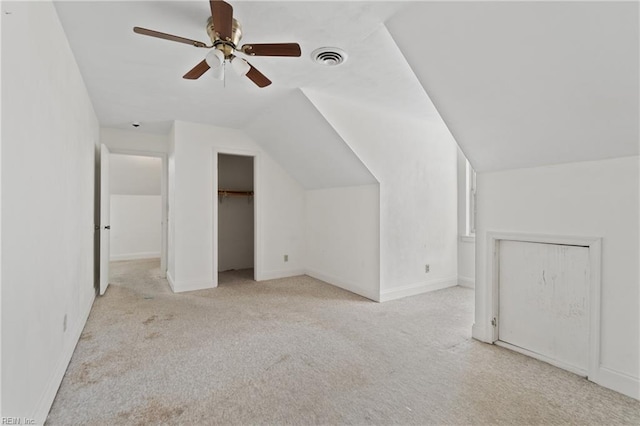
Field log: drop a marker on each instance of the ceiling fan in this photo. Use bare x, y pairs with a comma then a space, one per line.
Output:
225, 33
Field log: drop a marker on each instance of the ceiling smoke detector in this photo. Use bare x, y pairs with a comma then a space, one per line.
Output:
329, 56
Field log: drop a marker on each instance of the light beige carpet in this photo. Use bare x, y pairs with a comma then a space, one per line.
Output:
298, 351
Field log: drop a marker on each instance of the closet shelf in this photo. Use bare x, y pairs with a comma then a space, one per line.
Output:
223, 193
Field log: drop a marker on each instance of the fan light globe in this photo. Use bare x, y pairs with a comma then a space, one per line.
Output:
214, 58
218, 73
240, 66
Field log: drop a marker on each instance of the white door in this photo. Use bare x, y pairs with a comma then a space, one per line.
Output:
544, 302
105, 208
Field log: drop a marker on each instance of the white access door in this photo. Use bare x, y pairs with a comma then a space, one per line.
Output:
105, 209
544, 302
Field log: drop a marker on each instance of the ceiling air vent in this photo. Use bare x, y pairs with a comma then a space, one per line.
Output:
329, 56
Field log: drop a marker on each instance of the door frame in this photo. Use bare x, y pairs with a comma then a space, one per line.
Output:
594, 244
104, 221
164, 182
257, 200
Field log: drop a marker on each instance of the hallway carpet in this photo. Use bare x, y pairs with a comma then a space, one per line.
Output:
298, 351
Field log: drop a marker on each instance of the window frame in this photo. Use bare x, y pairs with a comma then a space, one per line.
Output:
470, 175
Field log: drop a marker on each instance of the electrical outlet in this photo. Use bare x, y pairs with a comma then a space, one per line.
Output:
426, 268
286, 257
64, 323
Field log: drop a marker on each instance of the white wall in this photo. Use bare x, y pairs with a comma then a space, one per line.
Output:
415, 163
48, 136
134, 140
192, 176
171, 199
466, 262
136, 206
136, 226
235, 213
343, 238
135, 174
466, 243
588, 199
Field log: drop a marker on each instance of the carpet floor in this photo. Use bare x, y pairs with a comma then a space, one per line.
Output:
298, 351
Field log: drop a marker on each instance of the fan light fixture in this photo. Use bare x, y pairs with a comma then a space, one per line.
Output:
225, 33
218, 73
240, 66
214, 58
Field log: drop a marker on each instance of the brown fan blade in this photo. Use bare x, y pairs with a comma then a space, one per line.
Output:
166, 36
222, 16
272, 49
257, 77
197, 71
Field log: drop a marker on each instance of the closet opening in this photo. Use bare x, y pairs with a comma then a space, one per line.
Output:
236, 219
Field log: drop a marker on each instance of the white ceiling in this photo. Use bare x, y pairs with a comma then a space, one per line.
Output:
136, 78
307, 146
519, 84
528, 83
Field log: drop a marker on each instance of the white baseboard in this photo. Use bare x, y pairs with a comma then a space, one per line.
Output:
46, 400
466, 282
563, 365
135, 256
414, 289
344, 284
274, 275
191, 285
619, 382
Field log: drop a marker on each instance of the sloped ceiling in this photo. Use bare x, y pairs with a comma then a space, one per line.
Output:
307, 146
523, 84
519, 84
136, 78
297, 134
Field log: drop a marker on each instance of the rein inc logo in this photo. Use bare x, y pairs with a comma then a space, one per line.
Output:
17, 421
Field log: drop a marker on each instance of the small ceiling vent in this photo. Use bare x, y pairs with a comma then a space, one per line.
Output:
329, 56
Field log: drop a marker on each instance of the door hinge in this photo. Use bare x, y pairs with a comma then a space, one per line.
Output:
494, 322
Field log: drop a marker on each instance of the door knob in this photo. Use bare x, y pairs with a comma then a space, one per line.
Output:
107, 227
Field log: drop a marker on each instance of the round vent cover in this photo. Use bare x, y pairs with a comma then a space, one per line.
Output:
329, 56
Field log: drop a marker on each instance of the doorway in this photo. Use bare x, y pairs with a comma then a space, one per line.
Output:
236, 218
133, 213
136, 207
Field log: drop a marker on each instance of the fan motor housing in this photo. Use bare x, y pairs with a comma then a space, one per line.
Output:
236, 32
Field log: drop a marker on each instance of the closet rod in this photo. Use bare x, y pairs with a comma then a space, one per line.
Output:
237, 193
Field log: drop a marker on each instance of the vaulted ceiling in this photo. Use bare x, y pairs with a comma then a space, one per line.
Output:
132, 77
519, 84
523, 84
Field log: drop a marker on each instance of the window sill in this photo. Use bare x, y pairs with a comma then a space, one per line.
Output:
467, 238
